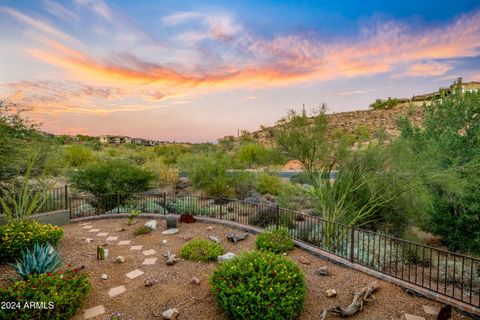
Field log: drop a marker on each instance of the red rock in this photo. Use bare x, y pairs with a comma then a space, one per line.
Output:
303, 260
187, 218
195, 281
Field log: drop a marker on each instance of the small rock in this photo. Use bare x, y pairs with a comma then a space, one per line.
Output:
120, 229
322, 271
227, 256
152, 224
150, 282
104, 276
214, 239
284, 254
187, 237
209, 228
170, 314
170, 231
195, 281
120, 259
331, 293
88, 240
303, 260
164, 241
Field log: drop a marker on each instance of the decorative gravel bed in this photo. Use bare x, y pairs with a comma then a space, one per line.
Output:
174, 290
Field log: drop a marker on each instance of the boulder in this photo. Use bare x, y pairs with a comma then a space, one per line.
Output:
170, 231
227, 256
170, 314
303, 260
152, 224
120, 259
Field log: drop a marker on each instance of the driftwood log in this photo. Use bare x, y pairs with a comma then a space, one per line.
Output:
359, 299
171, 258
232, 237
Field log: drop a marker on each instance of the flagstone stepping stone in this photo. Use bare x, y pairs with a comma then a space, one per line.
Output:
431, 310
116, 291
84, 224
170, 231
149, 261
412, 317
149, 252
87, 227
102, 234
112, 239
93, 230
95, 311
124, 243
134, 274
135, 248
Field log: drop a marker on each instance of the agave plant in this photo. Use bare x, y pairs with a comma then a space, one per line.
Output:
37, 261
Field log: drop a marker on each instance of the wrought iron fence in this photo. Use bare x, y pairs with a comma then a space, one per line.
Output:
55, 199
447, 273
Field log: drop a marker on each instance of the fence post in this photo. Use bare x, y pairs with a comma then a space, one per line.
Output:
70, 208
221, 208
118, 202
352, 244
66, 197
277, 211
164, 203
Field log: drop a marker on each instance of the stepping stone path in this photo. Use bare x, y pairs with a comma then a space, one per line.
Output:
149, 252
134, 274
149, 261
431, 310
93, 230
116, 291
135, 248
412, 317
87, 227
124, 243
102, 234
112, 239
95, 311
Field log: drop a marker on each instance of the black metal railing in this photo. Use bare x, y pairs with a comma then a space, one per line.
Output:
447, 273
54, 199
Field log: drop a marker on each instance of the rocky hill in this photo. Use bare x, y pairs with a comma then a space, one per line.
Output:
354, 121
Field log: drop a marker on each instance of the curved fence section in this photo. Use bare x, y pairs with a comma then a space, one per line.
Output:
443, 272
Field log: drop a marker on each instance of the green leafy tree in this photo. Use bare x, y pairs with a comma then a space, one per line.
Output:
449, 138
303, 138
77, 155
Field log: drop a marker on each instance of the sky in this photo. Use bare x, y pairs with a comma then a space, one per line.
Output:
199, 70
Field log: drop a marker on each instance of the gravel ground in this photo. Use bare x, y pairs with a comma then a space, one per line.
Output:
174, 290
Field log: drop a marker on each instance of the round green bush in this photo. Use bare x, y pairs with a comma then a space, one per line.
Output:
276, 241
23, 234
201, 250
259, 285
58, 296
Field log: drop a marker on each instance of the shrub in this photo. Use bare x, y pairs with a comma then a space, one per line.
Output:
201, 250
384, 104
259, 285
132, 216
77, 155
23, 234
142, 230
276, 241
267, 183
115, 176
37, 261
62, 294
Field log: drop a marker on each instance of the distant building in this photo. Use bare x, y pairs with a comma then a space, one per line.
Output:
117, 140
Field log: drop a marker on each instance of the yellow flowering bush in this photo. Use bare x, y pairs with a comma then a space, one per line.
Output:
259, 285
21, 234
